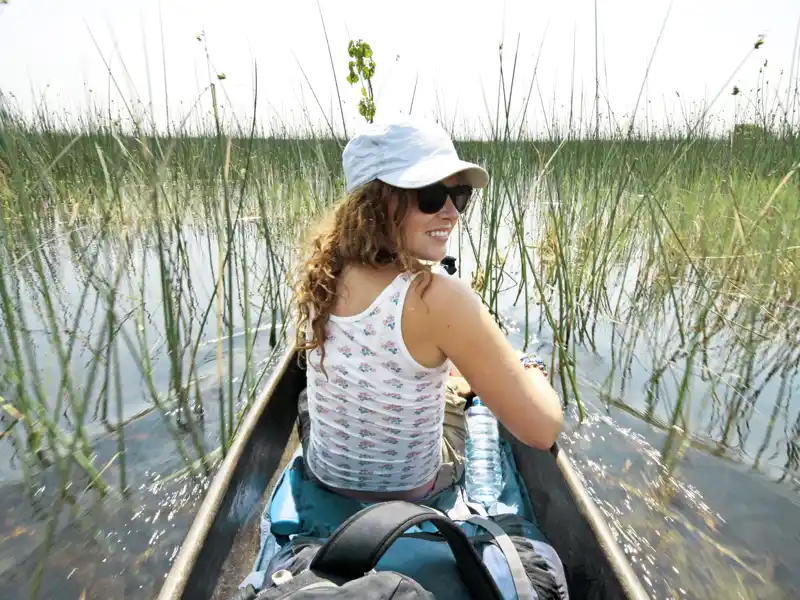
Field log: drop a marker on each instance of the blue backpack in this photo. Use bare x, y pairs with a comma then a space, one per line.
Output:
382, 552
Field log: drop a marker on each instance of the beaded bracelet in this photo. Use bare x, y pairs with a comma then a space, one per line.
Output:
531, 362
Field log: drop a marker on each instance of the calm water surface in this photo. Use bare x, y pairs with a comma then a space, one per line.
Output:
695, 516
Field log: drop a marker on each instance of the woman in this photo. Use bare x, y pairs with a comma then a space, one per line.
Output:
381, 418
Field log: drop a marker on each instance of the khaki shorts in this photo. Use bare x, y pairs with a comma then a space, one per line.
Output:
453, 441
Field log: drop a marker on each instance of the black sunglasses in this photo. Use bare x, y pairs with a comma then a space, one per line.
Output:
432, 198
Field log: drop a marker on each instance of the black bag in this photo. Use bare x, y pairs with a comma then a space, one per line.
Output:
343, 566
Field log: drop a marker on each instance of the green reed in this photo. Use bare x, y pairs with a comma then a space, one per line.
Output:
118, 210
683, 242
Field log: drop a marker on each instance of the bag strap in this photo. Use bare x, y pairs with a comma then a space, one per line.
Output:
358, 544
521, 582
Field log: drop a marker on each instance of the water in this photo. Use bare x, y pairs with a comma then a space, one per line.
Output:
484, 475
704, 514
704, 509
117, 549
123, 546
709, 528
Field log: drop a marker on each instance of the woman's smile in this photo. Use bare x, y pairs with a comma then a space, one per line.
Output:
439, 233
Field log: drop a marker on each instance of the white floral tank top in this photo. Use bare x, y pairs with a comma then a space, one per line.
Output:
376, 419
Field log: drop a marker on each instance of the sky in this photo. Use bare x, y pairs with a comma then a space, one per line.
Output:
63, 54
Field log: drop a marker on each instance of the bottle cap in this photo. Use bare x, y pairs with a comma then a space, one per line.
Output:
281, 577
477, 402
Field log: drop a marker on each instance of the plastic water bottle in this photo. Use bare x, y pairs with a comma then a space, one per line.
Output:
484, 474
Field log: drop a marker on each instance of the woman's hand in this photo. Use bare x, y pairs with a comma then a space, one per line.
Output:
460, 385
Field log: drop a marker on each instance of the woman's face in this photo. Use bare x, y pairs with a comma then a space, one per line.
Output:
425, 236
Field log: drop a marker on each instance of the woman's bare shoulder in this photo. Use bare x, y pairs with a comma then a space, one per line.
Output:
445, 293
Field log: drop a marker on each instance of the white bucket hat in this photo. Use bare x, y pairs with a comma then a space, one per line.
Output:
406, 152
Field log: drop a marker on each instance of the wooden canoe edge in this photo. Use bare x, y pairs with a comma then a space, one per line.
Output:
619, 562
176, 579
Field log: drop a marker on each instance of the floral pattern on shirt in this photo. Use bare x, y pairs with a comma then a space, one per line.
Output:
375, 413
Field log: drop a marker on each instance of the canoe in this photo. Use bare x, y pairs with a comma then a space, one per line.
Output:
223, 541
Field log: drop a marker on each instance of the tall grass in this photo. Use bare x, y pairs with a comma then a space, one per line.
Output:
145, 270
114, 261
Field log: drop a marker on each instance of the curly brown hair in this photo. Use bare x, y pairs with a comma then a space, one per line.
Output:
362, 230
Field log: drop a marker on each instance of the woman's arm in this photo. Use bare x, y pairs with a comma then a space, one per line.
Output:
523, 400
